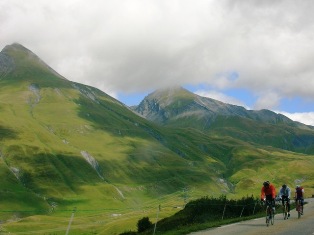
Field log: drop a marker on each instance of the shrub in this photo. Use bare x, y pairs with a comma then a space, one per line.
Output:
128, 233
143, 224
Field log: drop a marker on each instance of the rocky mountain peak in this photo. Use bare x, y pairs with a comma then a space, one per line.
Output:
16, 47
177, 105
12, 56
6, 62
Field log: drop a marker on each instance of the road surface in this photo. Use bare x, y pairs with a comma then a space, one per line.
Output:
292, 226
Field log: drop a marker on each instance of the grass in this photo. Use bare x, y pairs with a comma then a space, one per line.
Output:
205, 213
141, 164
99, 221
106, 221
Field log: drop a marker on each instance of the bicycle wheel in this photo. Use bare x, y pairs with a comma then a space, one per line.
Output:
272, 217
267, 216
285, 211
299, 209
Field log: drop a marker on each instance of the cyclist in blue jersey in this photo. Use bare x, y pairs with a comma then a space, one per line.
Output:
284, 194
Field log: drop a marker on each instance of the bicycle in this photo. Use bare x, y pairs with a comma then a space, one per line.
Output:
285, 209
299, 208
270, 214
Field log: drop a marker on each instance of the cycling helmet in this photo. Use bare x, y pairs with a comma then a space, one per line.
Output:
298, 186
284, 186
266, 183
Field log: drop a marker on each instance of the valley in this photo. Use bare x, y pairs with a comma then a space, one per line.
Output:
65, 145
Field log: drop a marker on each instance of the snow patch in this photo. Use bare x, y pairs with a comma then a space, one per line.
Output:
88, 93
115, 215
92, 161
15, 171
119, 191
35, 89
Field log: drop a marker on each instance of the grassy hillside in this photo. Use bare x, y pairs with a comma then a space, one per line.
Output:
66, 145
179, 108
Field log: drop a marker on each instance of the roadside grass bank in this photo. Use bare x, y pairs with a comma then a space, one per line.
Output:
205, 213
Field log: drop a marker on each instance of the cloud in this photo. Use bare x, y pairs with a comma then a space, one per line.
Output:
220, 96
135, 46
267, 100
306, 118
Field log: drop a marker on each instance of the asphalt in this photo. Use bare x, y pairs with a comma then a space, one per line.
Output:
292, 226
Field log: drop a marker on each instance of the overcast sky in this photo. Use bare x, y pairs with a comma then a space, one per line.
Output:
254, 53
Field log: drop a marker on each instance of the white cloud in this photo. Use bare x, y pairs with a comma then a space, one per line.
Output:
221, 97
134, 45
267, 100
306, 118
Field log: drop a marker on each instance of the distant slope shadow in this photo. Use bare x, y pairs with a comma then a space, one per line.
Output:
7, 133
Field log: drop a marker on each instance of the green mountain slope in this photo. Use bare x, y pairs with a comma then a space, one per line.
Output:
61, 139
65, 145
177, 107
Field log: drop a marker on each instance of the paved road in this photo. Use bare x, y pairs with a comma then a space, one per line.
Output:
292, 226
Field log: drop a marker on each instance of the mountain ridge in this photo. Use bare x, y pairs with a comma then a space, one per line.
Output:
65, 144
11, 54
180, 108
214, 107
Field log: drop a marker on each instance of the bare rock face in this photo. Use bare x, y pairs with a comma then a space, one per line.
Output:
6, 64
165, 106
17, 52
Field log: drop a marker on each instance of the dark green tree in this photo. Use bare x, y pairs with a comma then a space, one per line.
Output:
143, 224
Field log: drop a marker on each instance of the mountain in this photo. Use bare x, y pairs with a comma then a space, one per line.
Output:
177, 107
175, 104
62, 142
65, 145
59, 137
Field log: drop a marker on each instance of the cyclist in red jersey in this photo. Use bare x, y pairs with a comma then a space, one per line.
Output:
268, 192
299, 195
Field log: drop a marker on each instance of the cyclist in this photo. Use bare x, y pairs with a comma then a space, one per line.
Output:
269, 192
299, 195
284, 193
